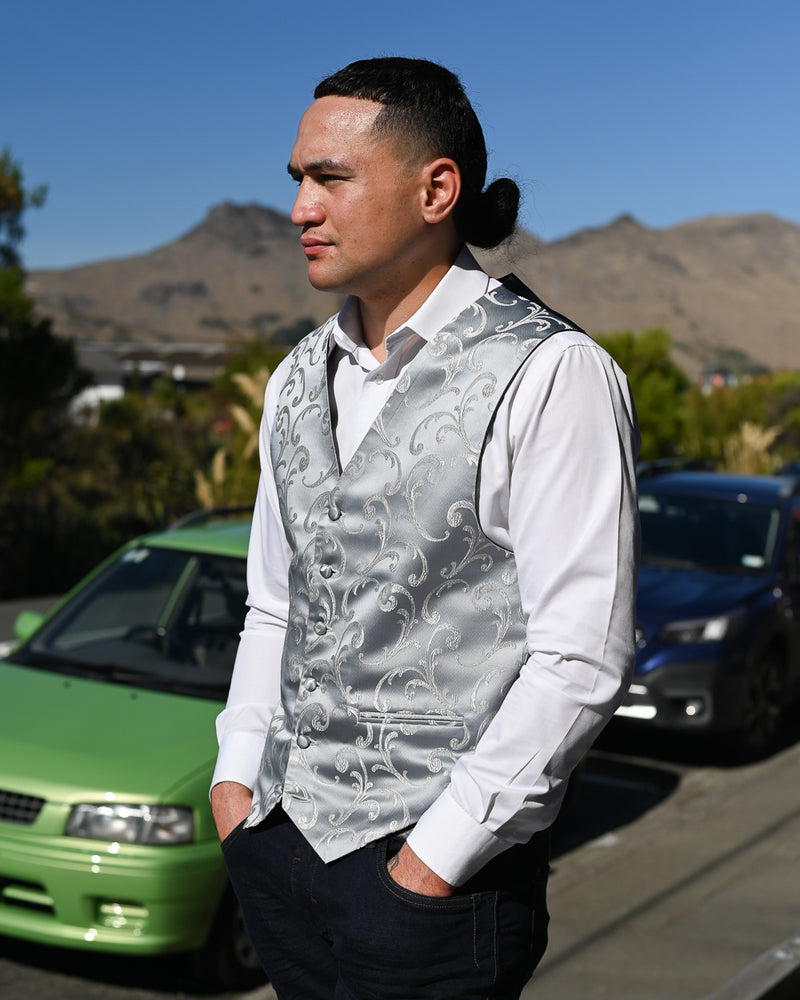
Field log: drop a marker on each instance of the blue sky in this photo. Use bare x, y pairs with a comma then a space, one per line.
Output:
142, 115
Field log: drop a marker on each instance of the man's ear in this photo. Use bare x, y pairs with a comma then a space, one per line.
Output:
442, 189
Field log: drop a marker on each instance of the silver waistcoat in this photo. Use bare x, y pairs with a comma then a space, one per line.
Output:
405, 624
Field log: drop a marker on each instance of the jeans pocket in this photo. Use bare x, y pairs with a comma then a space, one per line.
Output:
413, 941
457, 901
232, 837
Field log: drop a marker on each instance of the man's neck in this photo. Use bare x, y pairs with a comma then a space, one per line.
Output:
380, 317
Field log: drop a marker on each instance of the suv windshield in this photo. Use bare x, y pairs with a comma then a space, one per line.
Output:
711, 534
155, 617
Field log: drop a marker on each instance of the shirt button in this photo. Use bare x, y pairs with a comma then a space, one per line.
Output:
326, 571
303, 741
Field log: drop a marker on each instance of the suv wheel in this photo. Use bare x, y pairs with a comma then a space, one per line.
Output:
763, 709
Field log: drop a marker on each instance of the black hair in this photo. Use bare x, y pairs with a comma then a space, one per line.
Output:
425, 109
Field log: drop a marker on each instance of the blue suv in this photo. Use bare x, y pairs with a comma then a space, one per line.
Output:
718, 616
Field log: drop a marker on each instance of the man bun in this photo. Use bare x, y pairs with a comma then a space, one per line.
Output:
492, 215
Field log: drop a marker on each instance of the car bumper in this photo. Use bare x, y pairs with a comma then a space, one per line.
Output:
699, 695
119, 898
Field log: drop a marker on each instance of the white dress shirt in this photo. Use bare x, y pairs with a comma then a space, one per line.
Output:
557, 487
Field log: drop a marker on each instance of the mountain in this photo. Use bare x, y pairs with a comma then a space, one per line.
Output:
727, 288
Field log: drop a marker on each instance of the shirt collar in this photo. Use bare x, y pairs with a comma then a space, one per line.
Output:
464, 282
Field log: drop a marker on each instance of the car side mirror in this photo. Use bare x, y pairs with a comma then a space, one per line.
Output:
26, 623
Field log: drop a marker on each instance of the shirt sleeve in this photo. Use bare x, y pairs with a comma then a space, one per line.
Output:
255, 685
558, 488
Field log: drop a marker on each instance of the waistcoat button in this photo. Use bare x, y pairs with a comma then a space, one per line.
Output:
311, 684
334, 513
326, 572
320, 628
303, 741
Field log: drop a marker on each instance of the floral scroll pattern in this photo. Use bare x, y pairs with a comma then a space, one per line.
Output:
405, 623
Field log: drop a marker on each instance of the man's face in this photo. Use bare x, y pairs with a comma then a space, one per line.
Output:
359, 203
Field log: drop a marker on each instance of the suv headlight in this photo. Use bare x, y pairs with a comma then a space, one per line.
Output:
700, 629
132, 824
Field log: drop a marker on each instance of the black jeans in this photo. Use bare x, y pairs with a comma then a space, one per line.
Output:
347, 931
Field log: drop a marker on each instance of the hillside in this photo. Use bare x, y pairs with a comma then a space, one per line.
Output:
239, 272
727, 288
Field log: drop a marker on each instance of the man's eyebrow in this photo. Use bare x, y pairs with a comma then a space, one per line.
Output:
326, 165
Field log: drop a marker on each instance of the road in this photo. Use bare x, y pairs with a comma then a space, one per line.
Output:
670, 874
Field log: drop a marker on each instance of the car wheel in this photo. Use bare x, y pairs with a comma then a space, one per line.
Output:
764, 706
228, 959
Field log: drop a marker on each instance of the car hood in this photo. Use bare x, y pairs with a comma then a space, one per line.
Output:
671, 593
67, 738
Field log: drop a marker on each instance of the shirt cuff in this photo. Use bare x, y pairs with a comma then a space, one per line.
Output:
452, 843
239, 758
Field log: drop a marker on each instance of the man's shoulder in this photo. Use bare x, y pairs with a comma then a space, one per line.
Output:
565, 335
518, 288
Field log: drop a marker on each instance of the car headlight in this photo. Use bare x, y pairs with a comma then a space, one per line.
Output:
699, 629
132, 824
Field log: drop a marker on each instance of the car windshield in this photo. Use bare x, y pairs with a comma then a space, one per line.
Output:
156, 617
728, 536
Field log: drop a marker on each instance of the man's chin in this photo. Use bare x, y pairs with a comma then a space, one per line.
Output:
323, 280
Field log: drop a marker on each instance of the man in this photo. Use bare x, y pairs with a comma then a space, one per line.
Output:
442, 571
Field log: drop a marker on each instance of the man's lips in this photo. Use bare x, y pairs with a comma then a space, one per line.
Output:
312, 246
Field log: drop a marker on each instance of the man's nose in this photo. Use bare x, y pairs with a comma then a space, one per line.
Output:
306, 209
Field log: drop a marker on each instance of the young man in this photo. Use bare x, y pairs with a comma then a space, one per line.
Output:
442, 573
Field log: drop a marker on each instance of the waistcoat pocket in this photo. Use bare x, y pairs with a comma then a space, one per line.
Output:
410, 719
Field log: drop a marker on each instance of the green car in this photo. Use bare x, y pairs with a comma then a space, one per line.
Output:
107, 747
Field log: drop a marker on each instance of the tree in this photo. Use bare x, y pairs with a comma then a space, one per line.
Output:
234, 471
14, 200
752, 427
783, 407
716, 417
39, 375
